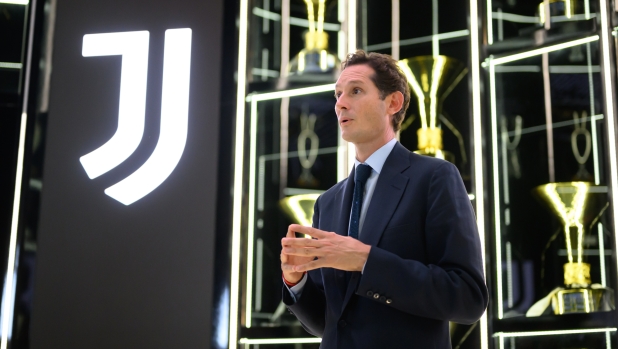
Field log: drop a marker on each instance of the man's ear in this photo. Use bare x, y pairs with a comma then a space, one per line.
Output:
396, 103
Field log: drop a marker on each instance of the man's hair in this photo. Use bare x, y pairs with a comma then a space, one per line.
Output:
388, 78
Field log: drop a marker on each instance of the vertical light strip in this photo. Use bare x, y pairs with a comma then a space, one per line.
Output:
609, 103
490, 23
602, 254
505, 165
342, 46
351, 19
500, 25
238, 169
259, 274
548, 117
509, 276
285, 102
435, 39
593, 121
251, 214
395, 17
608, 340
8, 296
547, 14
496, 176
478, 145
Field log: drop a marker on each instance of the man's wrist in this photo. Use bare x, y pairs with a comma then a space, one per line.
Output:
292, 283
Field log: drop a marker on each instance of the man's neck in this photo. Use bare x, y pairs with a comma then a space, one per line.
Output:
364, 150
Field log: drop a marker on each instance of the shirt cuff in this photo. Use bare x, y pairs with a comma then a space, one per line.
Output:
297, 290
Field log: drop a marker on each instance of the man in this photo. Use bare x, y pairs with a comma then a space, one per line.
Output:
395, 256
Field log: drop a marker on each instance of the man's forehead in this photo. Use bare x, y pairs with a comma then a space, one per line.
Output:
356, 74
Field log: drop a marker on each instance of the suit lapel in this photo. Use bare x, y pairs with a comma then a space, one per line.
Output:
384, 201
386, 195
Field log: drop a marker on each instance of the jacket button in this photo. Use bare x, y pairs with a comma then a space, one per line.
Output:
369, 293
389, 301
376, 295
382, 299
342, 323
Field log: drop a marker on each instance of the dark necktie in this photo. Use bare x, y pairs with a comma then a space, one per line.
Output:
360, 178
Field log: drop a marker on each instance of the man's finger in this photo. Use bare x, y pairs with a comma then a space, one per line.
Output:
291, 233
287, 267
315, 264
296, 242
313, 232
303, 251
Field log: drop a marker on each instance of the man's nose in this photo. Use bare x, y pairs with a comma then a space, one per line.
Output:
341, 103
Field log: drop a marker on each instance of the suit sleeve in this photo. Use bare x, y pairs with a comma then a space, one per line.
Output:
310, 307
449, 285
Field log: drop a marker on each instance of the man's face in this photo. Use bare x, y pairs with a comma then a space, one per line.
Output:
362, 115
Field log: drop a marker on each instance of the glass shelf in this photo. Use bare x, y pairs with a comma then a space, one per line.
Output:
551, 179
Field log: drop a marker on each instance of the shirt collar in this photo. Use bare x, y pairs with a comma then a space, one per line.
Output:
377, 159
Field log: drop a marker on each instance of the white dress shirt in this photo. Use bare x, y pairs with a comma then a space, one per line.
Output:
376, 161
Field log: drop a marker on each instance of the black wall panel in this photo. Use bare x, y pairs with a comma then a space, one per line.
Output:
136, 276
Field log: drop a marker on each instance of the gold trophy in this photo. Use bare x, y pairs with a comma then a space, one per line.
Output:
314, 58
431, 79
576, 205
300, 208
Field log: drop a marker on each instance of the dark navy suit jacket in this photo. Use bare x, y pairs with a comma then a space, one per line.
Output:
424, 268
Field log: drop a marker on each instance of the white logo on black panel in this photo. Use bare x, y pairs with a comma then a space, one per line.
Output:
133, 46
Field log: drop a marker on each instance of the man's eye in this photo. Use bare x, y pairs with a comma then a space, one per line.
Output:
357, 90
337, 95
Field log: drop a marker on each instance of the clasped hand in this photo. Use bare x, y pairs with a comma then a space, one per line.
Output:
326, 249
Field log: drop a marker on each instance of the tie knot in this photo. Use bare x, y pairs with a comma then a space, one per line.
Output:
362, 173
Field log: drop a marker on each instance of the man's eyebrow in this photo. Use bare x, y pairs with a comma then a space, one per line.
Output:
351, 82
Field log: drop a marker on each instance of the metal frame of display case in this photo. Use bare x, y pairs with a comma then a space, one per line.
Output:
245, 141
480, 43
242, 230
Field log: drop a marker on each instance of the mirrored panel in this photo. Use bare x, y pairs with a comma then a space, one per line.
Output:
553, 235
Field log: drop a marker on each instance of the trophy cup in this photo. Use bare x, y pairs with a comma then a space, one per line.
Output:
576, 205
300, 208
314, 58
431, 79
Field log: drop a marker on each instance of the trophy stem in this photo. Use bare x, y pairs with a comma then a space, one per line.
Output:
567, 234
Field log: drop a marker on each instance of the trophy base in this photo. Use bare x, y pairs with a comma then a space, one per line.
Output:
440, 154
582, 300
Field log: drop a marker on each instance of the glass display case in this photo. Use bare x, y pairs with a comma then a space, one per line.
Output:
288, 148
519, 97
550, 120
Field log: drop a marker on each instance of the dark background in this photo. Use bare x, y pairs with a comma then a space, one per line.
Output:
137, 276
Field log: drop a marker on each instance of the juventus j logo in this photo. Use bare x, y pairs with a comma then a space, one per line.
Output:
133, 46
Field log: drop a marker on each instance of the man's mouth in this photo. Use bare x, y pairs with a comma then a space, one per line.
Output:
344, 120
